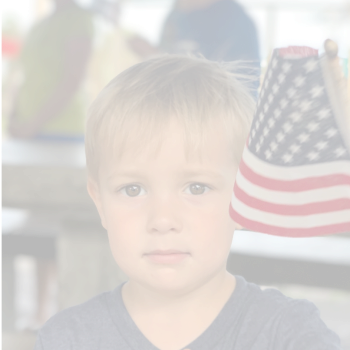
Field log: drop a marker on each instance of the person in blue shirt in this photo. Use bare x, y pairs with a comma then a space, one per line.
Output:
219, 30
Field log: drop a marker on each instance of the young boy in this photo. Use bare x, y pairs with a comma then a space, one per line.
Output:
163, 144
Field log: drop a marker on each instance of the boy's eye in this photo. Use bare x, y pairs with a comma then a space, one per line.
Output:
197, 188
132, 190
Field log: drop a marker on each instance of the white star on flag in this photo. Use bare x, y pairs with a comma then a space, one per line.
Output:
313, 155
280, 136
283, 103
295, 148
312, 126
261, 116
277, 113
305, 105
340, 151
321, 145
266, 131
275, 88
287, 158
317, 91
287, 127
331, 132
271, 122
281, 78
323, 113
291, 92
303, 137
296, 117
268, 154
286, 67
273, 146
299, 81
310, 65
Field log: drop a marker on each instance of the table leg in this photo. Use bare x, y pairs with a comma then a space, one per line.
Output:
7, 293
85, 263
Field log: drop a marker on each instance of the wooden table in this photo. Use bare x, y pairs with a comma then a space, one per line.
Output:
49, 179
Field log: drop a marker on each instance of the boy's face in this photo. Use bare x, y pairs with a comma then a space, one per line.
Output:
167, 215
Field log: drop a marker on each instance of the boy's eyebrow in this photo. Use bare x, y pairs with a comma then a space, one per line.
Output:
186, 173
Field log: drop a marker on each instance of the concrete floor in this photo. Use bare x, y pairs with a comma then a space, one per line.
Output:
334, 305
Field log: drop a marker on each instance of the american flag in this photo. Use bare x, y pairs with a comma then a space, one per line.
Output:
294, 176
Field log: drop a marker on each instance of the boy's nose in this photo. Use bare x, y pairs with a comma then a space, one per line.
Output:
164, 217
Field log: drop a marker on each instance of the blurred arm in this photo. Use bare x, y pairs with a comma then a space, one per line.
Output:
75, 59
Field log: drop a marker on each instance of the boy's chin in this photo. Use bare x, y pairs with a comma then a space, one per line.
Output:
171, 285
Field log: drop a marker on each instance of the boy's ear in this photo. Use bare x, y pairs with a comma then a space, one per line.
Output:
94, 193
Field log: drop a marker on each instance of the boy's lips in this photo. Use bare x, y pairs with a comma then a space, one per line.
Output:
169, 256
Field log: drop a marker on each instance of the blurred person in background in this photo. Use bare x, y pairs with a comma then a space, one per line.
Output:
49, 103
220, 30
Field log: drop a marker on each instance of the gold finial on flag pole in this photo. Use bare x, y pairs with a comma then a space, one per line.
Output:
331, 48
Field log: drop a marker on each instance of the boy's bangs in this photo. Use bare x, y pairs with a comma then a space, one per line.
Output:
146, 127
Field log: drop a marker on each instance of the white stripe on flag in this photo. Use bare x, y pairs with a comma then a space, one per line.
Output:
292, 198
285, 221
296, 172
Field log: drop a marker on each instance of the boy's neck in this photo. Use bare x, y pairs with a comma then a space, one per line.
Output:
172, 322
140, 294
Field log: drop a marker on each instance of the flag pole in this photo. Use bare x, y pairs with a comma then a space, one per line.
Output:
337, 90
348, 75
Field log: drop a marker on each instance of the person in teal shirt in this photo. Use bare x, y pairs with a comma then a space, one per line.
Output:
49, 103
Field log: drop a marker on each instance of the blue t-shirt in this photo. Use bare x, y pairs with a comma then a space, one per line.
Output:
251, 319
220, 32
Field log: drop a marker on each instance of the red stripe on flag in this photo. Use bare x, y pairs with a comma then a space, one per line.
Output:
297, 51
288, 232
310, 183
300, 210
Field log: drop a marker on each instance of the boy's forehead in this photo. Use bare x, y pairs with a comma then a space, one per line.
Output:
203, 153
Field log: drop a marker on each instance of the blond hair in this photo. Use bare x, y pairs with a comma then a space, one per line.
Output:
136, 105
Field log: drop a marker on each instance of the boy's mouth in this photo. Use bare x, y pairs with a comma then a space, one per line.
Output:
169, 256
